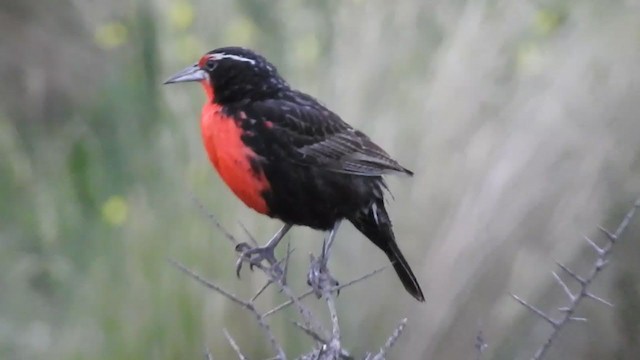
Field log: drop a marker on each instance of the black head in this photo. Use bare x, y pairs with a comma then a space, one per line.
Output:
234, 74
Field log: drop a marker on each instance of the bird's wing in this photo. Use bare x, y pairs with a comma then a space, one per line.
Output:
305, 132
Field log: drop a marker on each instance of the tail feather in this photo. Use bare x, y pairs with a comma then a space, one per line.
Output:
375, 224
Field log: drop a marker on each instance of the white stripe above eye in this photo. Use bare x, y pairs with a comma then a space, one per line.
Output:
219, 56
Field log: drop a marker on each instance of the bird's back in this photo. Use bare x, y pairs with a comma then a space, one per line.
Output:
319, 168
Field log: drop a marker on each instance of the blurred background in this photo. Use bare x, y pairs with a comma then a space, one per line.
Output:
520, 120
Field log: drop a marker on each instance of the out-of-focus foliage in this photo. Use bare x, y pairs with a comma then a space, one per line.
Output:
520, 120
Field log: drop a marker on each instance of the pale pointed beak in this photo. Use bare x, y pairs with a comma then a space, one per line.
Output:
191, 73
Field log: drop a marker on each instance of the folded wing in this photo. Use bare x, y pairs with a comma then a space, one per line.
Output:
307, 133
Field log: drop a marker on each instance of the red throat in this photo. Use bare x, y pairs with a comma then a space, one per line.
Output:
208, 89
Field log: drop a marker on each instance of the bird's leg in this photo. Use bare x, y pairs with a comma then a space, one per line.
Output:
328, 242
257, 254
319, 277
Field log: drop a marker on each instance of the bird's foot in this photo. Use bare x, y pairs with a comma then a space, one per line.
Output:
255, 256
319, 277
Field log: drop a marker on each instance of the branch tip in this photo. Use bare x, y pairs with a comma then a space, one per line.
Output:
598, 299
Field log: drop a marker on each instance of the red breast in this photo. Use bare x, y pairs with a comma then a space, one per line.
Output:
222, 140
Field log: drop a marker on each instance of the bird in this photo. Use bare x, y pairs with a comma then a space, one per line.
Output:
287, 156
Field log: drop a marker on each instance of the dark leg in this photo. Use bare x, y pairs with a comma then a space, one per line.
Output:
328, 241
319, 277
256, 255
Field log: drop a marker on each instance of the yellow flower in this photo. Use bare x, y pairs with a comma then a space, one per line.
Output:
111, 35
114, 210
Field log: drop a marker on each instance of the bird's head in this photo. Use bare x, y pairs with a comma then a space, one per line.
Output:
233, 74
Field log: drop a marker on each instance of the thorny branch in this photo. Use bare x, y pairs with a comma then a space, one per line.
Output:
389, 343
247, 305
603, 253
328, 345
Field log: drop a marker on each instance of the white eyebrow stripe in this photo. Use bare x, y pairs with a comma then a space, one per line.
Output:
219, 56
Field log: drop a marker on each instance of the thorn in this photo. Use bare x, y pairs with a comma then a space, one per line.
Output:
246, 231
577, 277
582, 319
598, 249
612, 237
601, 261
536, 311
599, 299
262, 289
207, 354
286, 263
564, 286
314, 335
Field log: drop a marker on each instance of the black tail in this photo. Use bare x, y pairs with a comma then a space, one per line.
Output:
376, 225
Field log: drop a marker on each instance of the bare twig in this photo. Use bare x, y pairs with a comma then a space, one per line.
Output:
335, 347
269, 281
389, 343
207, 283
603, 253
328, 345
306, 314
233, 344
247, 305
215, 222
333, 289
274, 276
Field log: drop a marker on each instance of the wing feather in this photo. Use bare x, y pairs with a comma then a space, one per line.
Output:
306, 132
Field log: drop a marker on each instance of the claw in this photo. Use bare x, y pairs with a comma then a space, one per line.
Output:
254, 256
242, 247
239, 266
319, 277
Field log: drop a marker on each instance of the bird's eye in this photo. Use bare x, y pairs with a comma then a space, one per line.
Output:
210, 64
